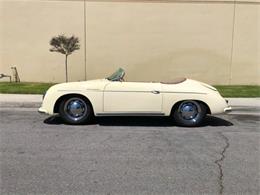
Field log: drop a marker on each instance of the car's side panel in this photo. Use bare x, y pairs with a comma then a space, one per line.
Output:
91, 90
132, 97
215, 102
95, 97
191, 90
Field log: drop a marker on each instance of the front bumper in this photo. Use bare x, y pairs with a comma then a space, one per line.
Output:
42, 111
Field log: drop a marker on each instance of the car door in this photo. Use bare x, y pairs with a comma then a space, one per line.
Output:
132, 97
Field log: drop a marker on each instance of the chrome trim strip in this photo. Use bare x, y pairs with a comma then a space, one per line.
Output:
94, 90
184, 92
159, 92
64, 90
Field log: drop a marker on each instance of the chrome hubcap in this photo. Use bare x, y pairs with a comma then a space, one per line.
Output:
189, 110
75, 109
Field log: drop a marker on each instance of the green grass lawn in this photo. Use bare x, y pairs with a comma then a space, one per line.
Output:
24, 88
40, 88
239, 90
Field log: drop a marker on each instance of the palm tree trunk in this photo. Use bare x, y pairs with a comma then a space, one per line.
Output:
66, 67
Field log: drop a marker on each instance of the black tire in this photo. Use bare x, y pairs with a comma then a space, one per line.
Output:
189, 113
75, 110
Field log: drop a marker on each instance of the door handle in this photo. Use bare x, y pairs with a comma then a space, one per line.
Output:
155, 92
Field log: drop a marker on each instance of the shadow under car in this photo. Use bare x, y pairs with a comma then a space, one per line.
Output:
148, 121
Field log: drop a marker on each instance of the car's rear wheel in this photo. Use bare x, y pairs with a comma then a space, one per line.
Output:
75, 110
189, 113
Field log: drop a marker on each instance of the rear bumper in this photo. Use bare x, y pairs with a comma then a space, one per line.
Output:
228, 109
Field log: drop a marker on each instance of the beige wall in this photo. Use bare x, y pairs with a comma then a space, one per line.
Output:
212, 41
26, 29
246, 53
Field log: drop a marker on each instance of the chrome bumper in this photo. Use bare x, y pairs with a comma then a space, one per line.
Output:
42, 111
228, 109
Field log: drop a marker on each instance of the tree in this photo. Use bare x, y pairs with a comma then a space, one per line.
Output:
65, 45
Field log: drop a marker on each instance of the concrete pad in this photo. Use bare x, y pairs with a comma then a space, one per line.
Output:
25, 98
252, 102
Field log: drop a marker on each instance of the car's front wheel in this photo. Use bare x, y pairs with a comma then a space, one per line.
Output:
189, 113
75, 110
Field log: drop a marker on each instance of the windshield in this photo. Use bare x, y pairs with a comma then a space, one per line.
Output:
117, 76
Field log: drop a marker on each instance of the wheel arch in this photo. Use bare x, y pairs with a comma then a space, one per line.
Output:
175, 106
59, 100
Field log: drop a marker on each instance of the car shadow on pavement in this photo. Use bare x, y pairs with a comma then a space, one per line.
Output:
140, 121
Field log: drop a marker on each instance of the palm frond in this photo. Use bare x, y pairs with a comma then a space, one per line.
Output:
64, 45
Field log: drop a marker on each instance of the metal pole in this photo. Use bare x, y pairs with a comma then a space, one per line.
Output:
85, 42
232, 45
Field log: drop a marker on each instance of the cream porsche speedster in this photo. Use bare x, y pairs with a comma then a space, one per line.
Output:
185, 100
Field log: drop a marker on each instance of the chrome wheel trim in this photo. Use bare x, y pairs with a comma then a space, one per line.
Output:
189, 110
75, 109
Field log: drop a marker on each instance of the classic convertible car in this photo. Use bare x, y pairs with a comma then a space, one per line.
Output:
185, 100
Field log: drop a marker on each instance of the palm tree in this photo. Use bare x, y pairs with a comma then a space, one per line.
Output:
65, 45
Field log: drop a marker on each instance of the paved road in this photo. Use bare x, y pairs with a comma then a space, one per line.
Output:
40, 155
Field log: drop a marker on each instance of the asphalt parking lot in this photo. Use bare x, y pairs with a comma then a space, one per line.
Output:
128, 155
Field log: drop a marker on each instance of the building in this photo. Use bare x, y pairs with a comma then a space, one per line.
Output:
215, 41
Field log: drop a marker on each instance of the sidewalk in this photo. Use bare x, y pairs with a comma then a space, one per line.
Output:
20, 100
244, 102
245, 106
23, 100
